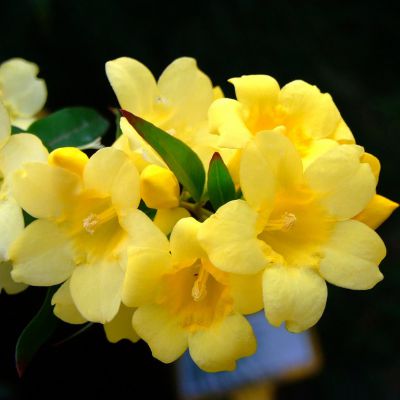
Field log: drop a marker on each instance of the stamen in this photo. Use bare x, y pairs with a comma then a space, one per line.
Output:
285, 223
199, 290
90, 223
93, 221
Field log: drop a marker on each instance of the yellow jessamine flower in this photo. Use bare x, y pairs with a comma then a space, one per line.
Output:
22, 93
178, 103
185, 302
15, 150
312, 121
297, 226
87, 220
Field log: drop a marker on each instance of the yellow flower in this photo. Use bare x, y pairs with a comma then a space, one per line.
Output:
22, 93
296, 224
15, 150
87, 221
312, 121
185, 302
178, 103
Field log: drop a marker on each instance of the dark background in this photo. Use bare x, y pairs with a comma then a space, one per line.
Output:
350, 49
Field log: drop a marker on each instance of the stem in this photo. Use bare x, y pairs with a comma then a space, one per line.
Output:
197, 210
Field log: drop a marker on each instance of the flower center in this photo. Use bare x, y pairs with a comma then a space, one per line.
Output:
199, 289
93, 220
285, 223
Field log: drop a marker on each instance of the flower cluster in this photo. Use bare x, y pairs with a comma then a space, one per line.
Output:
204, 210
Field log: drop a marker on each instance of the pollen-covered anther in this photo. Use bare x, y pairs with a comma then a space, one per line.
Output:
90, 223
199, 289
289, 221
93, 221
284, 223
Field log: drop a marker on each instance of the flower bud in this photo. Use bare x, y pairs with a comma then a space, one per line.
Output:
159, 187
69, 158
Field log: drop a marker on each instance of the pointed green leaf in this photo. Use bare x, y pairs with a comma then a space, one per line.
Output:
220, 186
73, 126
36, 333
179, 157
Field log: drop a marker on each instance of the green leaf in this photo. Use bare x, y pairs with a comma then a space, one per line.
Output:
73, 126
220, 186
36, 333
179, 157
15, 129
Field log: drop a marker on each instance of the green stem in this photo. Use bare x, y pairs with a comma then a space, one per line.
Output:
197, 210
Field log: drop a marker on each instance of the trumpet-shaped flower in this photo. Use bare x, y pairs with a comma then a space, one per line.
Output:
185, 302
15, 150
22, 93
178, 103
312, 121
87, 219
296, 224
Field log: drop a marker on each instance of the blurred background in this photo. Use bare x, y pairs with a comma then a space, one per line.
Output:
349, 49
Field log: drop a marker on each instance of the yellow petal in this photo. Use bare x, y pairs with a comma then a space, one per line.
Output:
185, 246
11, 223
42, 255
111, 172
352, 255
6, 281
226, 117
260, 92
316, 149
133, 84
64, 306
20, 149
143, 233
166, 219
343, 134
167, 340
69, 158
159, 187
5, 128
217, 93
229, 238
309, 110
21, 89
121, 326
377, 211
145, 269
373, 162
45, 191
294, 295
96, 290
218, 347
187, 90
269, 162
246, 291
345, 184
